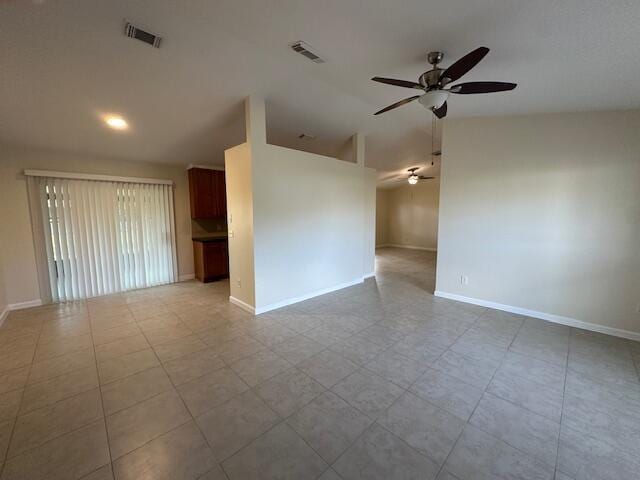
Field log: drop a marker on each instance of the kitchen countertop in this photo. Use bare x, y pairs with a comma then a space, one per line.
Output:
214, 237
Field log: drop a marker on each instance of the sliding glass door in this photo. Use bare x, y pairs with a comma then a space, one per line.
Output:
103, 237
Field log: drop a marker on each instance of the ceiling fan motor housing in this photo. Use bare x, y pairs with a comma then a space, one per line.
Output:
431, 78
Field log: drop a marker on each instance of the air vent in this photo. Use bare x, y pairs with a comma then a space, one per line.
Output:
306, 50
132, 31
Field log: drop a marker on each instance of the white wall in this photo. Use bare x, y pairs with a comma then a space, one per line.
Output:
542, 212
309, 223
20, 274
411, 215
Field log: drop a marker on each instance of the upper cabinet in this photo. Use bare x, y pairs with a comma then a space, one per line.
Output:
207, 192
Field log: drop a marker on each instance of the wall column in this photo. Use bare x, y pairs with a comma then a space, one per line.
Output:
255, 120
358, 148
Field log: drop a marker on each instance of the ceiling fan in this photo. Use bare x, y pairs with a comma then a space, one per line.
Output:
432, 83
414, 177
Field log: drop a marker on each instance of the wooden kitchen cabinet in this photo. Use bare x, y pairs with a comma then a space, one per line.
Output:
207, 193
211, 259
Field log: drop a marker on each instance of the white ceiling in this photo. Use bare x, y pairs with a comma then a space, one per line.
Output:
63, 63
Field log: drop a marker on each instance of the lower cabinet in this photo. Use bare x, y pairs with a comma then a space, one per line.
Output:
211, 259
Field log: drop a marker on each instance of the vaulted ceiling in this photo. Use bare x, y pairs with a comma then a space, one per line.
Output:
64, 63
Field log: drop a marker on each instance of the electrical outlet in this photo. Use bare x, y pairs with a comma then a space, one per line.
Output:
239, 283
464, 280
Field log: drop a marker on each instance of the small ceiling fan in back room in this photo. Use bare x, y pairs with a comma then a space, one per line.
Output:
433, 83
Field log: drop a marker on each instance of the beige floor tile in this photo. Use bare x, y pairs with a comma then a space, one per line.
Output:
102, 337
6, 428
289, 391
120, 367
380, 455
39, 426
121, 347
233, 425
14, 379
162, 335
133, 389
179, 348
50, 391
101, 324
133, 427
216, 473
59, 329
327, 368
68, 457
164, 320
260, 367
103, 473
278, 454
10, 360
57, 366
238, 348
62, 346
193, 366
182, 454
329, 425
9, 405
425, 427
211, 390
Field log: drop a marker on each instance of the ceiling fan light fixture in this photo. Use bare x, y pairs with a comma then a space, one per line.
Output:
413, 179
434, 98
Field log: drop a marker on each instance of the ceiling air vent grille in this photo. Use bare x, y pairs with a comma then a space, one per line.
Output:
306, 50
132, 31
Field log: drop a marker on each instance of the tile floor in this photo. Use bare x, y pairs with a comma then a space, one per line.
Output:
378, 381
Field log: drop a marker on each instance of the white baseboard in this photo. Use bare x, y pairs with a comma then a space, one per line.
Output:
27, 304
4, 314
187, 277
307, 296
242, 305
550, 317
369, 275
409, 247
18, 306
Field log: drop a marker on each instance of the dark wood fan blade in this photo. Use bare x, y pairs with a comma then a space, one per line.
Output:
398, 83
462, 66
441, 112
482, 87
421, 177
397, 104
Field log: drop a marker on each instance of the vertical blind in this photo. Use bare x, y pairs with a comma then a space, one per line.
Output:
103, 237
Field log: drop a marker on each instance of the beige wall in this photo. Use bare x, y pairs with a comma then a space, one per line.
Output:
238, 177
3, 293
542, 213
382, 216
20, 276
410, 215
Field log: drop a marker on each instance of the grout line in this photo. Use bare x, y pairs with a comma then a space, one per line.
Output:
104, 415
5, 457
564, 390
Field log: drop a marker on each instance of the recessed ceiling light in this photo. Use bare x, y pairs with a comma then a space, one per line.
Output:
117, 123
